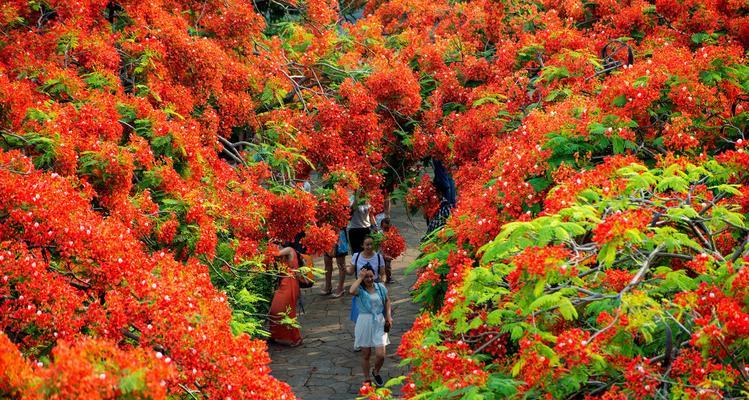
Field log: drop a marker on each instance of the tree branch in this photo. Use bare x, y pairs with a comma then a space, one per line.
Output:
135, 337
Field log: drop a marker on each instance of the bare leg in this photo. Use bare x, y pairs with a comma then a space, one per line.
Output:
328, 273
341, 261
389, 271
379, 359
386, 206
365, 352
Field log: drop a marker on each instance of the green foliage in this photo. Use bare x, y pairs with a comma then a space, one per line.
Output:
98, 80
249, 290
133, 382
601, 138
42, 147
682, 213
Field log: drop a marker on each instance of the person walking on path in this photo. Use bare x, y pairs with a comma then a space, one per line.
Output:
339, 252
360, 225
367, 256
445, 186
443, 213
285, 301
373, 323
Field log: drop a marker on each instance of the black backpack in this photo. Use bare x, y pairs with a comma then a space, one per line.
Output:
380, 261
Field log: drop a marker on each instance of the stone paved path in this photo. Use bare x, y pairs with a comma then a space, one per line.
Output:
325, 367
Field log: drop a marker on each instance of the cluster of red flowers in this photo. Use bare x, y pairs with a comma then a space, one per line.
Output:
396, 88
545, 117
331, 207
572, 347
427, 275
569, 183
52, 259
90, 368
616, 279
319, 240
393, 244
289, 215
699, 263
615, 226
368, 391
451, 365
534, 366
322, 12
423, 196
535, 263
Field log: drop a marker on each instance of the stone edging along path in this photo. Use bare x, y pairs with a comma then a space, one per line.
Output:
325, 367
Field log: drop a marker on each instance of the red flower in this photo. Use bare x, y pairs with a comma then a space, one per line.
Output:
616, 279
616, 225
319, 240
393, 244
424, 197
290, 214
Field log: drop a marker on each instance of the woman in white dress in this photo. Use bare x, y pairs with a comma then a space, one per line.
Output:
373, 323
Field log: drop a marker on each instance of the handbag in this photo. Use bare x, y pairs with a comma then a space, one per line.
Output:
342, 246
387, 326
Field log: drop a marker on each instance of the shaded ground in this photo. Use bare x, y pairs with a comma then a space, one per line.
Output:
325, 366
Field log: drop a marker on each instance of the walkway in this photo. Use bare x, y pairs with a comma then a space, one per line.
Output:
325, 367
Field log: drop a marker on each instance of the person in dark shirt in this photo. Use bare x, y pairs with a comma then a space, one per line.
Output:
440, 219
445, 186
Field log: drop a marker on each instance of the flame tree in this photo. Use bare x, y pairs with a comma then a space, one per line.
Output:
151, 151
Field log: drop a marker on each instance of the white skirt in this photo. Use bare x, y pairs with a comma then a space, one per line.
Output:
370, 332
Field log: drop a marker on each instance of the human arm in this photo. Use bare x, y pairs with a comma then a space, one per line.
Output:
287, 252
373, 218
354, 290
353, 202
388, 311
351, 267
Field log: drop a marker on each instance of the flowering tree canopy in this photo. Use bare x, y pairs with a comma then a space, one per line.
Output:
152, 153
630, 291
598, 150
135, 258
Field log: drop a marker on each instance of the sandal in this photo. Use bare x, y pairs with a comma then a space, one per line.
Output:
326, 292
338, 294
